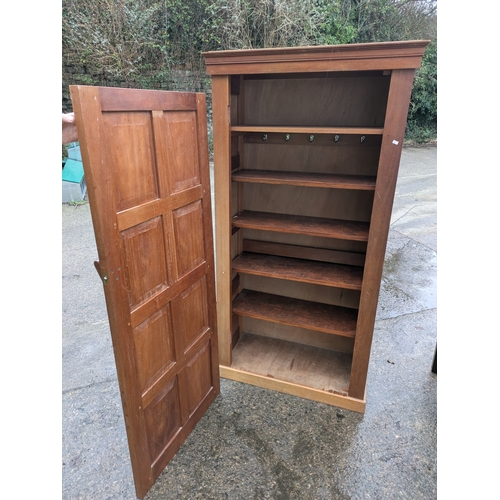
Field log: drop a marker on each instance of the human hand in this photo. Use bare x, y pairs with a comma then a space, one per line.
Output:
69, 132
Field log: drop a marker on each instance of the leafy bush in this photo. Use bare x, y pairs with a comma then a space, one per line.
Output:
143, 42
117, 38
422, 114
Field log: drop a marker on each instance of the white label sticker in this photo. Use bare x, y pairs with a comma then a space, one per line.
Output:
395, 142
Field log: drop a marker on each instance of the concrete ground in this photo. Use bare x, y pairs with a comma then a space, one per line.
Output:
258, 444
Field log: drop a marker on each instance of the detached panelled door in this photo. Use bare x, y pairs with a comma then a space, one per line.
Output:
145, 156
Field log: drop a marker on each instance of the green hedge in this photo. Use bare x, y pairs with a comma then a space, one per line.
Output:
422, 114
145, 42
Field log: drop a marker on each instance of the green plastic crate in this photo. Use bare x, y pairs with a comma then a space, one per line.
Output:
73, 181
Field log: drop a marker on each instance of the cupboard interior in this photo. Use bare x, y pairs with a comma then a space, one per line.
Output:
305, 150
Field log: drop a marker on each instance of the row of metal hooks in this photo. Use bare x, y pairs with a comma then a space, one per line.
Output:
311, 138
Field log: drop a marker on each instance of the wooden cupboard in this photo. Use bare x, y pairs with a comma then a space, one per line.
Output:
307, 144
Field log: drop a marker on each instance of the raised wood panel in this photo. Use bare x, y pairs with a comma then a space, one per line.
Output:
129, 139
196, 379
144, 260
182, 150
190, 314
155, 347
161, 430
188, 230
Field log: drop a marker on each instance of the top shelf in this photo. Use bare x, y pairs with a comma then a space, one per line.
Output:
285, 129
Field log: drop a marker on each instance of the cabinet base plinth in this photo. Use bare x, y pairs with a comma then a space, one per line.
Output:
292, 389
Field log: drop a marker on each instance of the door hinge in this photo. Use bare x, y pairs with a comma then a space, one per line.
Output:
103, 277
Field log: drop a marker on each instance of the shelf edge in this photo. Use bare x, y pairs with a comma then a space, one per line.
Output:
307, 130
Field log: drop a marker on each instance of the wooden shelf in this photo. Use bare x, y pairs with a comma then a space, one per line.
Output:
337, 181
299, 224
319, 369
295, 312
305, 271
286, 129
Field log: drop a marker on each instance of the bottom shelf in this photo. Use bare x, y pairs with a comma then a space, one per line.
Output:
305, 371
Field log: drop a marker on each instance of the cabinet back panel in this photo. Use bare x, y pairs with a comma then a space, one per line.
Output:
321, 102
348, 156
304, 291
313, 202
305, 241
298, 335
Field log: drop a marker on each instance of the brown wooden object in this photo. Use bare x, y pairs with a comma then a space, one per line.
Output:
145, 156
307, 144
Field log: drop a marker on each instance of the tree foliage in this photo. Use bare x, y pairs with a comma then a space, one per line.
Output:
145, 40
422, 114
115, 37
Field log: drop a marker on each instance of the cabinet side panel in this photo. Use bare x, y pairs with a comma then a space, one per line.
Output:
222, 186
392, 143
